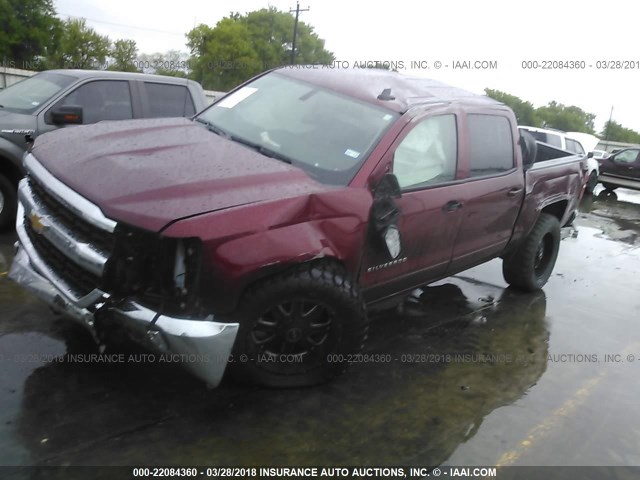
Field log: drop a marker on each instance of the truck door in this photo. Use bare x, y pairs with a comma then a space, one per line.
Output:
99, 99
493, 192
425, 161
625, 164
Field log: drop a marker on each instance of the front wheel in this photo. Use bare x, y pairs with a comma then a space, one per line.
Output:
530, 266
8, 202
299, 328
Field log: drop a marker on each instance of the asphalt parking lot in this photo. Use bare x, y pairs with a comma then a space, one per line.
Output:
464, 372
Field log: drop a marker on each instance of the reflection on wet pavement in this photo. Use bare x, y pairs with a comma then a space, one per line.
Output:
462, 372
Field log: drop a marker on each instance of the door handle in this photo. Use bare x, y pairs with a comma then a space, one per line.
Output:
514, 191
452, 206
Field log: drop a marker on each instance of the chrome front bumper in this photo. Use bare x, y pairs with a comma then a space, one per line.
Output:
203, 345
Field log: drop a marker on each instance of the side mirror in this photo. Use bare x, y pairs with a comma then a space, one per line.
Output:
387, 187
385, 214
67, 115
590, 155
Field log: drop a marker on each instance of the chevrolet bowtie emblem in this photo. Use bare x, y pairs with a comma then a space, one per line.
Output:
36, 223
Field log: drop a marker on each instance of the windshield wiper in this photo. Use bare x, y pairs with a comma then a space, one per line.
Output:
213, 128
263, 150
256, 146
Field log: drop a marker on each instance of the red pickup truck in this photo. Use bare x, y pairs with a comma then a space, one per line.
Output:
256, 235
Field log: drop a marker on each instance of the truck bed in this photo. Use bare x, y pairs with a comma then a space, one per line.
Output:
557, 177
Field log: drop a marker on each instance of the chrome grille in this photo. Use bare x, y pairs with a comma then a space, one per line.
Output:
79, 281
67, 238
98, 238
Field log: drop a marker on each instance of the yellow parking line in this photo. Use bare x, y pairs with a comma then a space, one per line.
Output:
547, 425
565, 410
3, 274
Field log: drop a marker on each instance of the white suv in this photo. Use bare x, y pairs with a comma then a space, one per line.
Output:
563, 141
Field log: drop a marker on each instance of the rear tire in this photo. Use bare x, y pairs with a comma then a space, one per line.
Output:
592, 182
298, 329
529, 267
8, 203
609, 186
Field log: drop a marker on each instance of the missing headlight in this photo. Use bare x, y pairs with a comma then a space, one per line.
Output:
160, 272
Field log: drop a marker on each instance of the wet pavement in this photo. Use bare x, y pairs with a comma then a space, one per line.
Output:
464, 372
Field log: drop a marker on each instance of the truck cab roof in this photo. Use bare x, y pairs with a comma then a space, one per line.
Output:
389, 89
113, 75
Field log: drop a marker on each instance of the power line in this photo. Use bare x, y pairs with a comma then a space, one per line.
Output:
122, 25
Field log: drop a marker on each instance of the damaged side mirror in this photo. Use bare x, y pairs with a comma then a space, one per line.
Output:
384, 211
385, 214
387, 187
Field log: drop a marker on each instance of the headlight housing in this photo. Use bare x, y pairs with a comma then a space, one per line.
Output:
155, 270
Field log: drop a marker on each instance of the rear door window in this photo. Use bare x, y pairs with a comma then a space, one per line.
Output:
491, 145
169, 100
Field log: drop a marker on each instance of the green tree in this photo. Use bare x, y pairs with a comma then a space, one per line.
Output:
567, 118
80, 47
617, 133
241, 46
224, 56
123, 56
525, 111
28, 29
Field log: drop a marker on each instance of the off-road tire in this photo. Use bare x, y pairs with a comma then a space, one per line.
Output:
275, 312
591, 182
530, 266
609, 186
9, 202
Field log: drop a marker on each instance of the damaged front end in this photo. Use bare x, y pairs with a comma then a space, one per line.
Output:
113, 278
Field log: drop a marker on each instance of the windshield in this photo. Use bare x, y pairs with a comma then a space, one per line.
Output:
326, 134
26, 96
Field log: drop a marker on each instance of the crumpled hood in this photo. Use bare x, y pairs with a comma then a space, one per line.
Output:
149, 173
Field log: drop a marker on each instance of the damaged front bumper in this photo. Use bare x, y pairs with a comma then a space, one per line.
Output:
56, 218
205, 345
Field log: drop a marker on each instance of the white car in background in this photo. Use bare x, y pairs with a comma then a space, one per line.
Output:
600, 154
569, 142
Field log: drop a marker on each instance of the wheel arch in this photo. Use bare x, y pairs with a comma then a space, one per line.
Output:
557, 209
10, 169
268, 272
242, 263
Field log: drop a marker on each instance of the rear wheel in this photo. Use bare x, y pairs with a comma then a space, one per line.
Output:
609, 186
297, 329
529, 267
8, 202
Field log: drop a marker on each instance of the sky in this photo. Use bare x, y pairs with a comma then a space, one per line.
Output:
430, 31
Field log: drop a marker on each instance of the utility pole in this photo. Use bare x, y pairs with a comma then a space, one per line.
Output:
295, 30
606, 135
